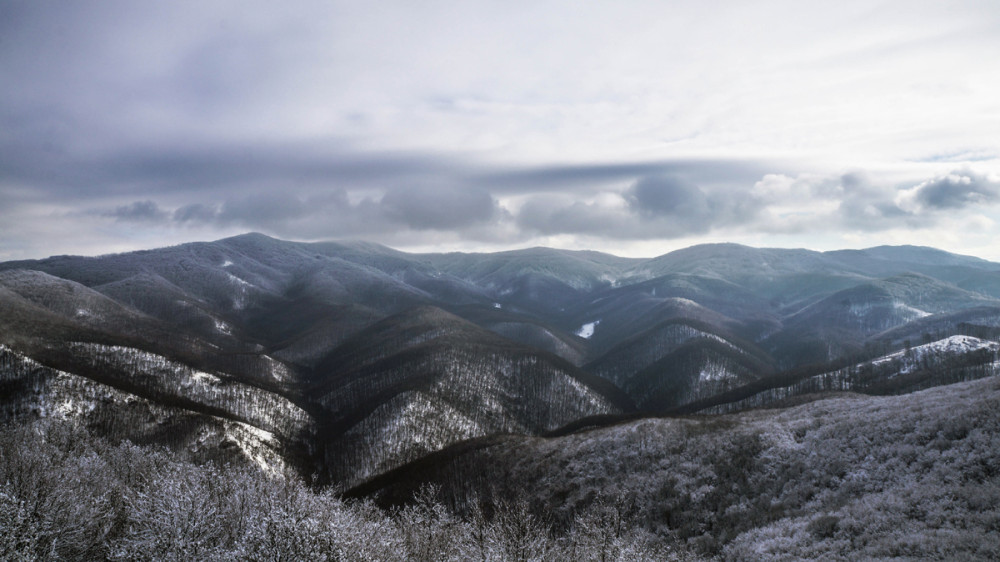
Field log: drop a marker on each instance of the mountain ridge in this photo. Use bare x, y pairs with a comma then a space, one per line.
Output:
391, 355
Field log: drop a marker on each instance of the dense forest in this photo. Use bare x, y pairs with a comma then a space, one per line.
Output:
840, 477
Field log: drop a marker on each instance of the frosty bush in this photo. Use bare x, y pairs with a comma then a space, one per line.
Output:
20, 539
68, 495
913, 477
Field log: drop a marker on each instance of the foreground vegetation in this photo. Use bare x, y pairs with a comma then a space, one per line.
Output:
843, 478
846, 477
68, 494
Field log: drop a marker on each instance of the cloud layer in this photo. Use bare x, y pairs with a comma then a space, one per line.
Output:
482, 125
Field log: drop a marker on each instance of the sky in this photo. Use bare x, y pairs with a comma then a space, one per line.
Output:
634, 128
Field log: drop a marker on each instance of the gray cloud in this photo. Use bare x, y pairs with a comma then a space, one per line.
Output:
327, 214
327, 189
652, 207
331, 213
554, 215
670, 197
680, 206
422, 197
956, 190
179, 169
663, 206
195, 213
424, 208
556, 177
139, 212
866, 206
266, 209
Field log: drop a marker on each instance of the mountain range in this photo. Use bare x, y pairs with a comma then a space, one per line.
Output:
345, 361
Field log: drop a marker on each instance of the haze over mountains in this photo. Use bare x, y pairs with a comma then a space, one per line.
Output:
346, 360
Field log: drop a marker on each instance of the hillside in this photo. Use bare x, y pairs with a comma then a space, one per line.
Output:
845, 477
418, 381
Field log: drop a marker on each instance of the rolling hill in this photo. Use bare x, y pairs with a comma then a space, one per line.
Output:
354, 358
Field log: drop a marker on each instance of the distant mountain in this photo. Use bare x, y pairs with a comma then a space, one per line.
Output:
352, 358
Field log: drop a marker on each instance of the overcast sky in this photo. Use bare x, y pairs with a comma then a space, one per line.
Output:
629, 127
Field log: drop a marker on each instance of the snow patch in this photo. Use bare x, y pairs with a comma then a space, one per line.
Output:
861, 308
257, 445
223, 327
713, 372
205, 377
278, 370
240, 298
916, 312
497, 305
952, 345
227, 263
587, 330
237, 280
69, 407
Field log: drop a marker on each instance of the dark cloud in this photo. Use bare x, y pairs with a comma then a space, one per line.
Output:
866, 206
705, 172
331, 213
653, 207
439, 208
328, 189
139, 212
286, 165
666, 196
680, 206
59, 168
956, 190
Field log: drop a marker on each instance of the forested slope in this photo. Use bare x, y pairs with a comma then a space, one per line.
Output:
847, 477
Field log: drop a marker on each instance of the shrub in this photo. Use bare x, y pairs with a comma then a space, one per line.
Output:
824, 526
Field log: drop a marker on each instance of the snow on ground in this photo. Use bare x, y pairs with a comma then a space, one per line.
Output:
950, 345
258, 445
205, 377
240, 297
238, 281
587, 330
910, 310
278, 370
712, 372
227, 263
